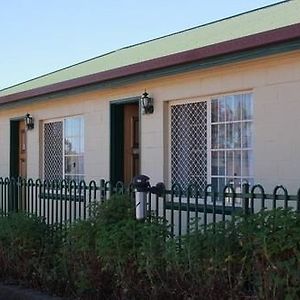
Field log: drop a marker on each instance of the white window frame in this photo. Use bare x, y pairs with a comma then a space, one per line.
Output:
209, 129
242, 177
63, 142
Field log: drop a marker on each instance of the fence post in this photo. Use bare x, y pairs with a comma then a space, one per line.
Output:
298, 201
102, 190
141, 185
246, 198
13, 194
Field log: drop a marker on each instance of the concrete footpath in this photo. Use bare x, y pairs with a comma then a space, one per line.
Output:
13, 292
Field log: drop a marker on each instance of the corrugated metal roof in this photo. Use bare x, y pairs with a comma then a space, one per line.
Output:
256, 21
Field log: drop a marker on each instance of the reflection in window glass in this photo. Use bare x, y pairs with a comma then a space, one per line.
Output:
229, 135
247, 107
237, 108
229, 163
237, 163
214, 136
247, 134
222, 110
237, 135
222, 136
221, 163
74, 147
64, 149
229, 110
214, 163
214, 110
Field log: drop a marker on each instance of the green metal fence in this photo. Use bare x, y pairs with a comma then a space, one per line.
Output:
192, 209
59, 202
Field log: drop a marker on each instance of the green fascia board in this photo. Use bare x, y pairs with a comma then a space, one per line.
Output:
268, 18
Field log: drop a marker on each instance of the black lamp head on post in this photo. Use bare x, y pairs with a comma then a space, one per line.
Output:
147, 104
29, 121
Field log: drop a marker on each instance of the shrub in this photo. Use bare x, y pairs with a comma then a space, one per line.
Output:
113, 256
254, 256
22, 243
124, 249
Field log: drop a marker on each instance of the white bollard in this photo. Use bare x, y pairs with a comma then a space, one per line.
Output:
140, 205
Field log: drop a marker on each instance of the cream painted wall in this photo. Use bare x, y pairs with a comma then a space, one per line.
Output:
274, 81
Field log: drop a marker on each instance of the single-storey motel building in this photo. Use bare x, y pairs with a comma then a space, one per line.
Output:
223, 106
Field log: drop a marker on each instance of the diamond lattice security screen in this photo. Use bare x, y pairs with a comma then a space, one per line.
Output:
53, 149
189, 144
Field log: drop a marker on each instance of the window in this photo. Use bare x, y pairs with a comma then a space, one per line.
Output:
212, 141
64, 149
231, 141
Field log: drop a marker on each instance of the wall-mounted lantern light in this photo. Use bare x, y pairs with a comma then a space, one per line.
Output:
147, 104
29, 121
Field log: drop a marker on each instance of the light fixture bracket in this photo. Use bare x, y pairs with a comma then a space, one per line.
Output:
147, 104
29, 121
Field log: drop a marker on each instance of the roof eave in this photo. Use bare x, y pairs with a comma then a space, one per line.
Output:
237, 45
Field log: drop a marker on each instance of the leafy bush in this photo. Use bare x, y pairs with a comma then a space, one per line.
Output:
22, 244
126, 249
113, 256
254, 256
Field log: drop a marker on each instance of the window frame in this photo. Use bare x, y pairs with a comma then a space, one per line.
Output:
208, 100
242, 149
62, 119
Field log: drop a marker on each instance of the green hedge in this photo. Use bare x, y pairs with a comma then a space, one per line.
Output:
113, 256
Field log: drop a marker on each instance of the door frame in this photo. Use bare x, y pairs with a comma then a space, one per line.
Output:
14, 146
14, 156
116, 165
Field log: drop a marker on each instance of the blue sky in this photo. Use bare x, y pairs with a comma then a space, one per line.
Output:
39, 36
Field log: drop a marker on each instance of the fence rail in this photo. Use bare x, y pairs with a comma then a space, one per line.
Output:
59, 202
